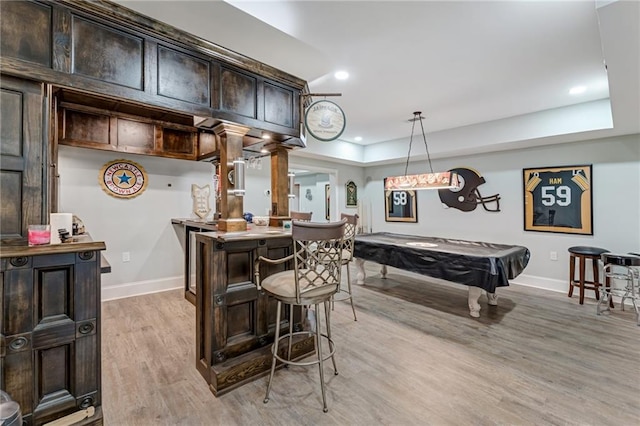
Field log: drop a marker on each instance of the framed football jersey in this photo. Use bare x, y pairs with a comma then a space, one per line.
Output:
400, 206
558, 199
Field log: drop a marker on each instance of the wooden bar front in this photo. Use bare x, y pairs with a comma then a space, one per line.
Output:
235, 323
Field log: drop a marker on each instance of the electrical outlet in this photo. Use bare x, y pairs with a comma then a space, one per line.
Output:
126, 256
553, 255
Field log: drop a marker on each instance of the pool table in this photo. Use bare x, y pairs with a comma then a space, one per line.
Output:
478, 265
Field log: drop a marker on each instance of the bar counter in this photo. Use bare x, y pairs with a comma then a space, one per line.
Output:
235, 323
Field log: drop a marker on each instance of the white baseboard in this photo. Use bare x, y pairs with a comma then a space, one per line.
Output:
141, 287
560, 286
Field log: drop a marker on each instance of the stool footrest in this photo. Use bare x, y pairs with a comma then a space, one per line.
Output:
285, 361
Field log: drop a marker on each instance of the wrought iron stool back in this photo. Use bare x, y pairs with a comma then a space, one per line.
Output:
314, 279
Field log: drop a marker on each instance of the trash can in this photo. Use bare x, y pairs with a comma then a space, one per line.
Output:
10, 414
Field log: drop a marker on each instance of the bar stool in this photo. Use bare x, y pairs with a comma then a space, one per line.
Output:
621, 267
350, 228
581, 254
314, 279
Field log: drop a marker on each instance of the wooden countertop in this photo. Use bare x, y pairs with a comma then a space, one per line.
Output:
210, 225
253, 233
79, 243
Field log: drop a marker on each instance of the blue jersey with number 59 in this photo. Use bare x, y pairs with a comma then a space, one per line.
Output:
557, 198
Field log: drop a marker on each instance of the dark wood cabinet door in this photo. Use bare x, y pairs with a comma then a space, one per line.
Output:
50, 322
22, 157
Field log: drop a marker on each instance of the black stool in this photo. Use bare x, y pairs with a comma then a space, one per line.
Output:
621, 267
582, 254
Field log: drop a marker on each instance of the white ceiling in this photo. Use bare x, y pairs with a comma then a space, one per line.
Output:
486, 75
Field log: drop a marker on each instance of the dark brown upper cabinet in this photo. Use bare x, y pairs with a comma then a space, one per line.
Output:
104, 49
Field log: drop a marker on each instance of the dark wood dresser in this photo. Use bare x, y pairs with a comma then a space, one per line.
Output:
50, 325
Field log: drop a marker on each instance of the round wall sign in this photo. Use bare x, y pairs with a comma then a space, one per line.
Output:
325, 120
123, 179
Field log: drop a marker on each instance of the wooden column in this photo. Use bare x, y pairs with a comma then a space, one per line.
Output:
279, 186
231, 206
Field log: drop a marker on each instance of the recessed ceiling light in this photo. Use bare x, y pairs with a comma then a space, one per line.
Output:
577, 90
266, 136
341, 75
357, 138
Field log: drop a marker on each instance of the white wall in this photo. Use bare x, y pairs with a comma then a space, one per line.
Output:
257, 199
141, 226
315, 183
339, 174
616, 203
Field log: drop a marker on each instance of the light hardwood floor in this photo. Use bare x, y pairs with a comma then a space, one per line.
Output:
414, 357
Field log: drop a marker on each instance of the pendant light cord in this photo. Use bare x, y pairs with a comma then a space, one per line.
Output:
417, 117
424, 137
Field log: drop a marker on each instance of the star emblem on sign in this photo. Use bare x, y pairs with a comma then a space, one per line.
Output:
124, 178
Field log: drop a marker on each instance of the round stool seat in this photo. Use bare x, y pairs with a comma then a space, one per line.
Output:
587, 251
621, 268
620, 259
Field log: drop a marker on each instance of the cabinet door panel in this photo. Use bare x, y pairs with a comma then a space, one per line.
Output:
17, 377
183, 77
278, 105
238, 93
107, 54
22, 149
26, 32
53, 381
86, 298
86, 359
54, 293
18, 296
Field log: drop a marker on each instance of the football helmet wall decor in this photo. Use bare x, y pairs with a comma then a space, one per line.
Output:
466, 196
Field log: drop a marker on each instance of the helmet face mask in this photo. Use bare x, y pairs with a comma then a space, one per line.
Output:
466, 196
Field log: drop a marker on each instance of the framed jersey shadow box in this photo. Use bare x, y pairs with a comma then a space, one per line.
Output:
400, 206
558, 199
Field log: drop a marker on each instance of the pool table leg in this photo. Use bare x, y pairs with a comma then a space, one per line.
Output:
474, 306
361, 274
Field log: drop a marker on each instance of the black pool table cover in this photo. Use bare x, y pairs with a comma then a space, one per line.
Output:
472, 263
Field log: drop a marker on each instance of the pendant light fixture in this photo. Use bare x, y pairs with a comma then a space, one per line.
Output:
431, 180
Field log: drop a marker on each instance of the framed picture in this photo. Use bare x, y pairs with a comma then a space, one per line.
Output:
352, 194
400, 206
327, 203
558, 199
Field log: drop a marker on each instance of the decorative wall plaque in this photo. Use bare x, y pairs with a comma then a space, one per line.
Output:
325, 120
123, 179
201, 195
352, 194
